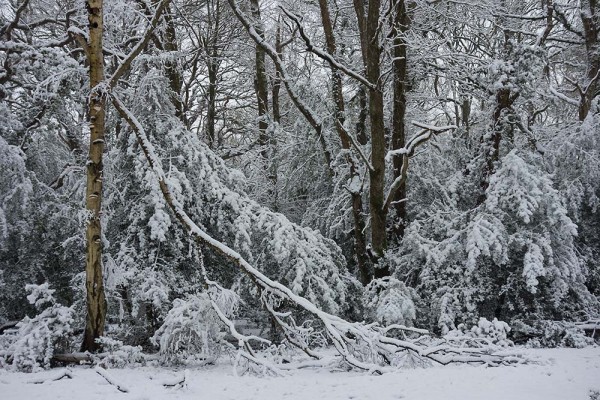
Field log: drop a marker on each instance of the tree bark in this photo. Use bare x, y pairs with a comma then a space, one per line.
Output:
400, 26
260, 80
96, 301
172, 70
276, 86
211, 113
371, 50
360, 243
591, 28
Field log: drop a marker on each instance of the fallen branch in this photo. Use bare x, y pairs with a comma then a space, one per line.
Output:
73, 358
180, 382
110, 379
245, 348
66, 373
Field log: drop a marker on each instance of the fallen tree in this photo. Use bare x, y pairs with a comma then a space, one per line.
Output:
369, 347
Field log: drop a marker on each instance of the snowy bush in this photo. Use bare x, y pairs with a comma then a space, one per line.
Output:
118, 355
192, 330
389, 302
493, 332
544, 333
39, 338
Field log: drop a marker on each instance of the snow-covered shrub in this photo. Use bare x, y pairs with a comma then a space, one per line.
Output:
389, 301
118, 355
513, 255
493, 332
192, 330
496, 331
575, 337
39, 338
545, 333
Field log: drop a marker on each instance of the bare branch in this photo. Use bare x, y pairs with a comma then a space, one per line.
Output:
313, 119
124, 66
324, 55
8, 28
408, 151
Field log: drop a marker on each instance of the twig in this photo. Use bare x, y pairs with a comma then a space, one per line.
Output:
326, 56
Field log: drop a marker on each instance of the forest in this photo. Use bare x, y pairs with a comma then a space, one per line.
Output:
363, 185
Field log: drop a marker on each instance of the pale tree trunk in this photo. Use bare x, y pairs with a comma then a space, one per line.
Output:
360, 243
96, 302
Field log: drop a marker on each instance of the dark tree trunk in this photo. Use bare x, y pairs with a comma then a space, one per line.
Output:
371, 51
591, 26
360, 243
400, 26
260, 80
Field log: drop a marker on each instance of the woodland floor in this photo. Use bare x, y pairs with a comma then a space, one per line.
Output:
561, 374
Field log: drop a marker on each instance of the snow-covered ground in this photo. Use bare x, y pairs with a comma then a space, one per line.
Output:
561, 374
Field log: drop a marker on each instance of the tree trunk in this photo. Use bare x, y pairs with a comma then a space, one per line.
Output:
211, 114
400, 26
276, 86
589, 20
260, 80
361, 124
360, 243
378, 145
175, 81
368, 24
96, 302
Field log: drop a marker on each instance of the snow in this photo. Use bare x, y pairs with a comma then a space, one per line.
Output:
561, 374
